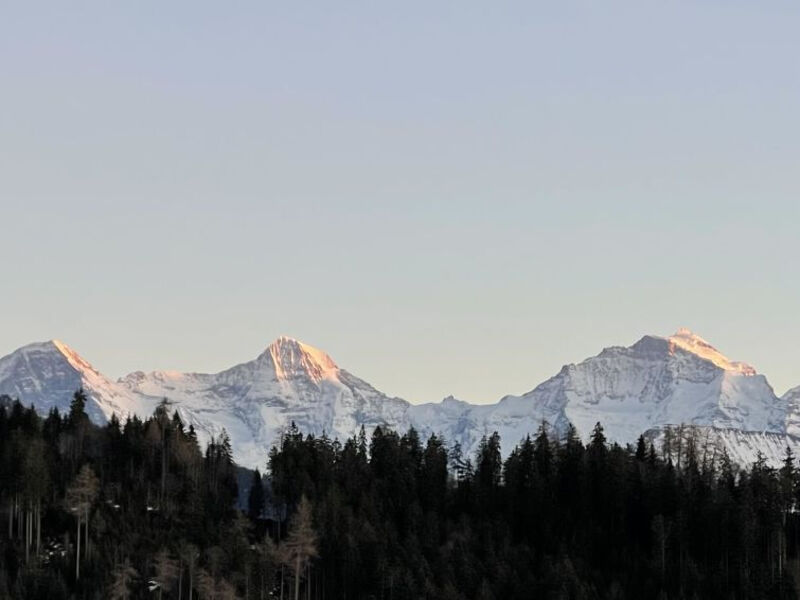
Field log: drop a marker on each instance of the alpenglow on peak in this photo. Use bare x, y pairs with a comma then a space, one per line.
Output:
293, 358
689, 341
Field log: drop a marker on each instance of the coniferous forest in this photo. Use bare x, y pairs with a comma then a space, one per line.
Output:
137, 509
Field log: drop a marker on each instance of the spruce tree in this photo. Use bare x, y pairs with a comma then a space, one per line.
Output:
255, 498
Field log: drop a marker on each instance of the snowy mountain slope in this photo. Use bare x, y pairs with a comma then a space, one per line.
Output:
46, 375
254, 401
654, 383
742, 447
791, 400
660, 381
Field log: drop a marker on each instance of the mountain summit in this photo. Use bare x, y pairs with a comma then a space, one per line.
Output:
655, 383
37, 373
47, 374
255, 401
691, 342
292, 358
658, 381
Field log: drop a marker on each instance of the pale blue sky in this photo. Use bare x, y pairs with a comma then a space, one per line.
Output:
450, 198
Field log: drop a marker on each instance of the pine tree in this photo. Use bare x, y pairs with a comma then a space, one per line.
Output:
78, 426
488, 471
255, 499
543, 453
597, 444
77, 409
362, 442
641, 449
161, 418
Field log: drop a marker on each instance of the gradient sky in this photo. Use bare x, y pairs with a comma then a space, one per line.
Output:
448, 197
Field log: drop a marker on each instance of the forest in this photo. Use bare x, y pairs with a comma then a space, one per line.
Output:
137, 509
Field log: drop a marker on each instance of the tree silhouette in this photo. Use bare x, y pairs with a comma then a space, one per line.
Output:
255, 499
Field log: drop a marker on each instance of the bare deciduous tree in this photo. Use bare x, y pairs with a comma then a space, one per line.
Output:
301, 544
189, 555
268, 558
166, 569
209, 588
122, 579
80, 497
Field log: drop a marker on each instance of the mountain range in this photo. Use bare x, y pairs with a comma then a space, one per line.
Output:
650, 387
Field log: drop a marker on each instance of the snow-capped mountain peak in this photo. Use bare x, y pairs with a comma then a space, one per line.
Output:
73, 358
46, 374
29, 360
292, 358
689, 341
657, 382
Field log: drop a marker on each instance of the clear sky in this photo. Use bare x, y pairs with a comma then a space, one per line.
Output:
448, 197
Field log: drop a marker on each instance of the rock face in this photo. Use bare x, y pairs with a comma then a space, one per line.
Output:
791, 401
654, 383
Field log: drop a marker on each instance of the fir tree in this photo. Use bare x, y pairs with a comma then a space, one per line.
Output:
255, 499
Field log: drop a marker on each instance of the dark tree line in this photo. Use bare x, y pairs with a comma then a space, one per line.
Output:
138, 510
399, 518
128, 510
